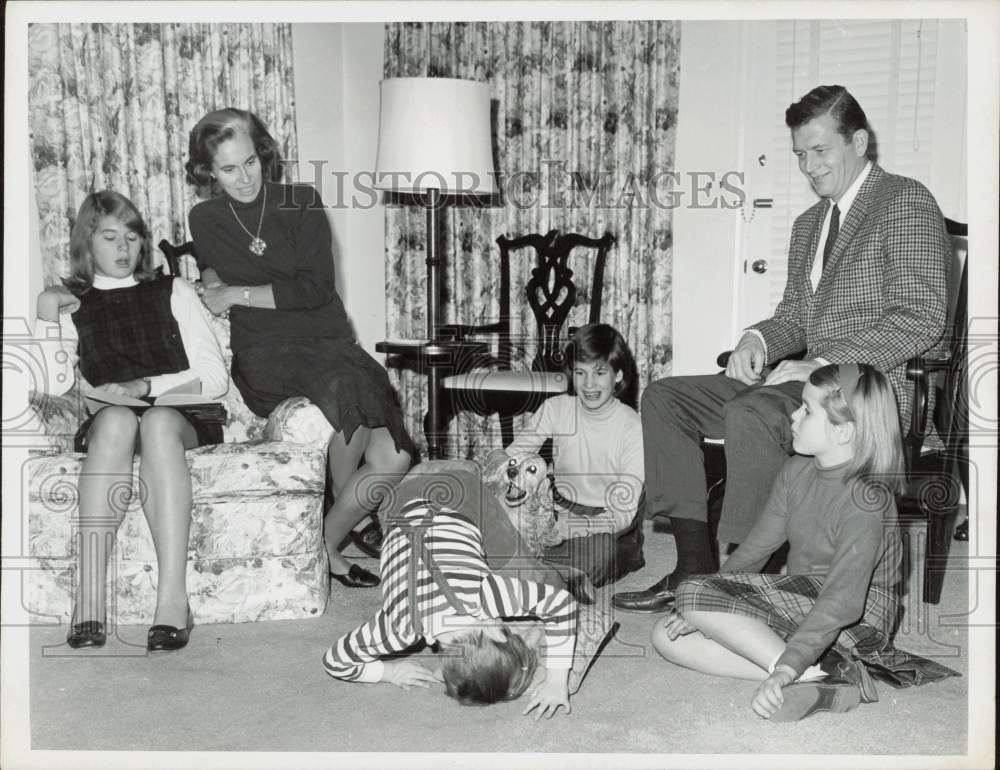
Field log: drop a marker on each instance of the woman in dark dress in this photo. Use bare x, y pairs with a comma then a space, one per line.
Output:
265, 254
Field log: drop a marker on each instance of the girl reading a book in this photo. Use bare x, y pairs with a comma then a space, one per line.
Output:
134, 333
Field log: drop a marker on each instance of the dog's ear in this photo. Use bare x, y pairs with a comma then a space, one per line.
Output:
496, 464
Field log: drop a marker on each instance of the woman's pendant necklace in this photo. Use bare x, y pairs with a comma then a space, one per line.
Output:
257, 245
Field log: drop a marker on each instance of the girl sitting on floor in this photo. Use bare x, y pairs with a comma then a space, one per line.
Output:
135, 333
815, 635
596, 456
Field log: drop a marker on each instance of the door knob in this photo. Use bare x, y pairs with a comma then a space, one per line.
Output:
759, 266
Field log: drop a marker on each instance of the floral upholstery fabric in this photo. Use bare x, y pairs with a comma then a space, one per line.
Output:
256, 546
298, 419
241, 423
56, 419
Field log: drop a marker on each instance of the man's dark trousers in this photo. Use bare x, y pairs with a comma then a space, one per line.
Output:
755, 422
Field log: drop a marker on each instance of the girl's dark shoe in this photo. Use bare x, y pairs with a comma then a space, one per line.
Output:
163, 638
90, 633
804, 699
357, 577
369, 540
962, 532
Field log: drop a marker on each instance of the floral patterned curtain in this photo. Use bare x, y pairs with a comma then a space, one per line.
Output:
111, 106
585, 127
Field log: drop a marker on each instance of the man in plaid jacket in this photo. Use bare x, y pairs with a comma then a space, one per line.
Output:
866, 284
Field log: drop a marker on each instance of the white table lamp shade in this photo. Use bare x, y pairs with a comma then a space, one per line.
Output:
434, 133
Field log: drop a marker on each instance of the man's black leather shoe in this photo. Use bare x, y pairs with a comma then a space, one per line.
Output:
657, 598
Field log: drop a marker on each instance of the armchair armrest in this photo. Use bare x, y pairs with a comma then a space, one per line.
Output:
297, 420
722, 360
460, 331
55, 419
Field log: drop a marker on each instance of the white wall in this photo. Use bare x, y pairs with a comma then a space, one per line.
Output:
337, 72
711, 131
705, 238
949, 180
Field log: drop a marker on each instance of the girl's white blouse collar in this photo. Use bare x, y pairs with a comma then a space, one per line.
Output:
105, 283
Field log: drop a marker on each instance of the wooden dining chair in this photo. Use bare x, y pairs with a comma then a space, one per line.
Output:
937, 445
936, 448
491, 385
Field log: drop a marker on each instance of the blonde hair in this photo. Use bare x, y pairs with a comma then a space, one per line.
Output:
871, 405
480, 671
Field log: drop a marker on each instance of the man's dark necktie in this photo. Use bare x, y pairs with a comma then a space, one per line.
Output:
831, 235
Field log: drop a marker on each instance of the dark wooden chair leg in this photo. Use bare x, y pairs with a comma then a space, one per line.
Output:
939, 529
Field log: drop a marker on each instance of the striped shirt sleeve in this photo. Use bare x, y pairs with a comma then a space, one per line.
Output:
504, 597
355, 657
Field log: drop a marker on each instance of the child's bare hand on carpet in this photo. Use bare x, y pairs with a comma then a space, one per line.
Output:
549, 694
675, 625
408, 673
769, 697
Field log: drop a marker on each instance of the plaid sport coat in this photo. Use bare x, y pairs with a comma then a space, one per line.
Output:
882, 298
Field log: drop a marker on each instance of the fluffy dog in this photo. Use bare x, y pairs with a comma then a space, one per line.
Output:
521, 486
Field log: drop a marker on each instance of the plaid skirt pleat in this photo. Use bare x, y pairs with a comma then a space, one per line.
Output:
783, 601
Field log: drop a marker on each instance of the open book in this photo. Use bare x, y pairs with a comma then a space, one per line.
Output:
185, 394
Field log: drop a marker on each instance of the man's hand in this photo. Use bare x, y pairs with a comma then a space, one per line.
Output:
792, 371
747, 361
768, 697
54, 301
550, 694
407, 673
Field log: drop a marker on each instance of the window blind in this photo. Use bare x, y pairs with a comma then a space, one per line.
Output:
890, 68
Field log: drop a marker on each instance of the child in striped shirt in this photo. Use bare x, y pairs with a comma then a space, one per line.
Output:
437, 586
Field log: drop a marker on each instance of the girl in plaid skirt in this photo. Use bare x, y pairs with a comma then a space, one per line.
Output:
817, 635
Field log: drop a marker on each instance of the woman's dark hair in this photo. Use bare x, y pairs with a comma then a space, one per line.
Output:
217, 127
601, 342
96, 206
480, 671
839, 104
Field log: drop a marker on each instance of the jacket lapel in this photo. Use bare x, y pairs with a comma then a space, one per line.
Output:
859, 210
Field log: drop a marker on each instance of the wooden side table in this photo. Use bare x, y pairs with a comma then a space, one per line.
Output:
437, 358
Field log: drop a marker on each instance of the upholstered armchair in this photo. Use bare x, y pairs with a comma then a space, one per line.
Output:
256, 547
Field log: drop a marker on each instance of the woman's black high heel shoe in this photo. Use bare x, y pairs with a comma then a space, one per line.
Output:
357, 577
163, 638
90, 633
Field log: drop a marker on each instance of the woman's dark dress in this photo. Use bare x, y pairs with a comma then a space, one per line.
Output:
304, 347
